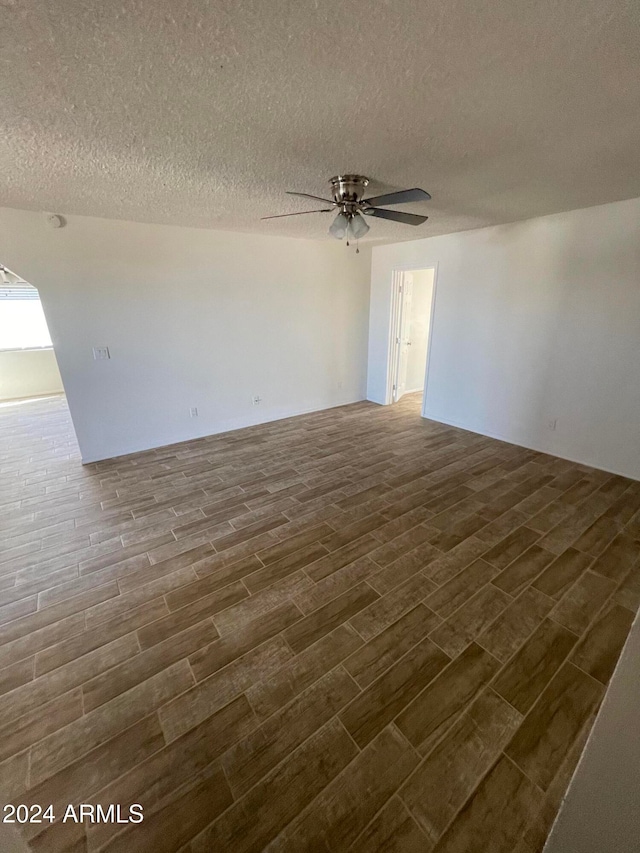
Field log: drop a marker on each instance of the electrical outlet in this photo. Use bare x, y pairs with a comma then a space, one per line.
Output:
256, 400
101, 353
193, 411
552, 424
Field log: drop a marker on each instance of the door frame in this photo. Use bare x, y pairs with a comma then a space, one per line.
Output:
397, 281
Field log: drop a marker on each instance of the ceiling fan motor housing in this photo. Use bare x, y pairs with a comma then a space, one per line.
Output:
348, 191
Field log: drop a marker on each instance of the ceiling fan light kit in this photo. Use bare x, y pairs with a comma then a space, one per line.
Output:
338, 227
352, 207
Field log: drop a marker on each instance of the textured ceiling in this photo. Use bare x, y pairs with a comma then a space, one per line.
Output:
202, 114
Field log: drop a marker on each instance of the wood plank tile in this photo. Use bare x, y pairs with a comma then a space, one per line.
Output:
599, 650
393, 830
175, 548
80, 644
340, 812
9, 591
362, 496
433, 712
596, 538
538, 829
562, 573
455, 634
187, 711
164, 567
617, 558
191, 614
19, 608
225, 650
444, 568
388, 608
155, 589
63, 679
314, 626
275, 571
172, 826
452, 771
512, 546
95, 770
111, 558
255, 820
342, 557
504, 525
385, 697
582, 602
188, 593
460, 588
372, 659
495, 816
247, 533
533, 666
65, 746
14, 775
51, 615
403, 568
549, 730
628, 593
138, 668
278, 688
63, 591
235, 617
353, 531
523, 570
315, 595
401, 545
254, 756
464, 529
294, 543
16, 675
152, 781
516, 623
39, 722
64, 837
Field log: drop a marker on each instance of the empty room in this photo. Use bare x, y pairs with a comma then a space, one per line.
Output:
319, 426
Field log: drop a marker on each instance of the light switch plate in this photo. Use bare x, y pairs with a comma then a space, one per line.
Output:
101, 353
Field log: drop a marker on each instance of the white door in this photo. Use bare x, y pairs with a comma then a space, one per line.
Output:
404, 338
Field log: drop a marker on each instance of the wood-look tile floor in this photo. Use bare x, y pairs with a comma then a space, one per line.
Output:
351, 630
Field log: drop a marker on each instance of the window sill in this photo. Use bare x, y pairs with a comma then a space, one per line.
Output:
24, 349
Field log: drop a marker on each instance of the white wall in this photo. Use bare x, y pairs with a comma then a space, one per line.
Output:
28, 373
192, 317
419, 330
533, 322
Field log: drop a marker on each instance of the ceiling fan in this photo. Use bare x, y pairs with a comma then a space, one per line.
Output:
348, 192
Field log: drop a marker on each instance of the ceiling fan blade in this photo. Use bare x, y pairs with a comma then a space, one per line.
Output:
306, 195
400, 197
396, 216
299, 213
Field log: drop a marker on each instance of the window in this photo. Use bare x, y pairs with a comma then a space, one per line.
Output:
22, 322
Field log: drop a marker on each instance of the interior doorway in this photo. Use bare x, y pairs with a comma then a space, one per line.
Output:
28, 366
411, 321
